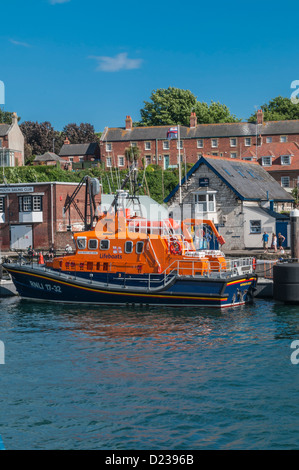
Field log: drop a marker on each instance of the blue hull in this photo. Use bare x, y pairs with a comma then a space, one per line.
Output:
36, 283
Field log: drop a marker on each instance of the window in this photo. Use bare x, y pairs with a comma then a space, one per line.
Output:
180, 143
139, 248
148, 159
108, 162
268, 140
104, 244
81, 243
255, 226
266, 161
233, 142
285, 159
215, 154
121, 160
166, 145
285, 181
214, 143
200, 144
283, 138
247, 141
205, 202
233, 155
129, 247
1, 204
147, 145
92, 244
30, 204
108, 147
133, 144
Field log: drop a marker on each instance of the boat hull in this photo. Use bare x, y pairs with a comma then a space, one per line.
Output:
36, 283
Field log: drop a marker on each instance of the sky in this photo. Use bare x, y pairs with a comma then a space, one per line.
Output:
73, 61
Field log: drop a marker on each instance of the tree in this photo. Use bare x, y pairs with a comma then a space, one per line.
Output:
278, 109
5, 117
80, 134
132, 154
40, 137
173, 106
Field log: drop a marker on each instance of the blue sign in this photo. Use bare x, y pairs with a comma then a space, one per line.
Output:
204, 182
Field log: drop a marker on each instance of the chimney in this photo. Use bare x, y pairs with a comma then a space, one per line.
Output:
193, 120
66, 142
260, 116
129, 123
14, 118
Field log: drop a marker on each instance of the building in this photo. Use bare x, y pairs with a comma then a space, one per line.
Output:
229, 140
238, 196
48, 159
76, 153
11, 144
32, 214
280, 159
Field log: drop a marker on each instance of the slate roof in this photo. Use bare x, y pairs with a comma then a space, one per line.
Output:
248, 180
47, 157
69, 150
4, 128
236, 129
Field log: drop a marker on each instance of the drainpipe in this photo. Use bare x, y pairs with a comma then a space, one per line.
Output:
52, 216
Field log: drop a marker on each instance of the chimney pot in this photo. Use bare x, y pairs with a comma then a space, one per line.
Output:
66, 142
129, 123
260, 116
193, 120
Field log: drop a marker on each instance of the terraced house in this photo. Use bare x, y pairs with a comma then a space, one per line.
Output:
221, 140
11, 144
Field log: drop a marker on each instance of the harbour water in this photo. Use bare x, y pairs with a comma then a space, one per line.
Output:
146, 378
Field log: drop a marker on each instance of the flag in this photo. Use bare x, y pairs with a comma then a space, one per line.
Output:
172, 133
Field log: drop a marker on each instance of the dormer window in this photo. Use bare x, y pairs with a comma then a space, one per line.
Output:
285, 159
266, 161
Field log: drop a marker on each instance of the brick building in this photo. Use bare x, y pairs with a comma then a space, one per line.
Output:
221, 140
11, 144
76, 153
32, 214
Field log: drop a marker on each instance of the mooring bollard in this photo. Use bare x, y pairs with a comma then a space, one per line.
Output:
294, 217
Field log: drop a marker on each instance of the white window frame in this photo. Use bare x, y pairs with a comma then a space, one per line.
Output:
285, 179
232, 140
200, 143
233, 155
255, 229
282, 157
283, 138
265, 160
147, 145
121, 158
247, 139
269, 140
108, 147
206, 199
214, 143
108, 162
166, 145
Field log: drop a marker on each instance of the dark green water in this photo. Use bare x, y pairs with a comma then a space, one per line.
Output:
98, 378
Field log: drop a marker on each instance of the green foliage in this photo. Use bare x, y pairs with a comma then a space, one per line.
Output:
5, 117
278, 109
173, 106
154, 176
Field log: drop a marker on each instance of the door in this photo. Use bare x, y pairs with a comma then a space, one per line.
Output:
166, 162
282, 227
20, 237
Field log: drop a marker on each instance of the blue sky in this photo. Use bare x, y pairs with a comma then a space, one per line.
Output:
72, 61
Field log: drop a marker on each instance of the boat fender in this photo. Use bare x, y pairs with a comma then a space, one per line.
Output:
254, 264
41, 259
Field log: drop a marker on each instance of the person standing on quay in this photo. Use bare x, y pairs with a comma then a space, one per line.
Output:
274, 242
265, 241
281, 239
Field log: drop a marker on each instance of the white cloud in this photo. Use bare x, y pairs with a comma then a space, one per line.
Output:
119, 62
19, 43
54, 2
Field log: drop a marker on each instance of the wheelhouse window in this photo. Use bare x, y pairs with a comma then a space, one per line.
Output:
92, 244
104, 244
30, 204
129, 247
255, 226
139, 248
81, 243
